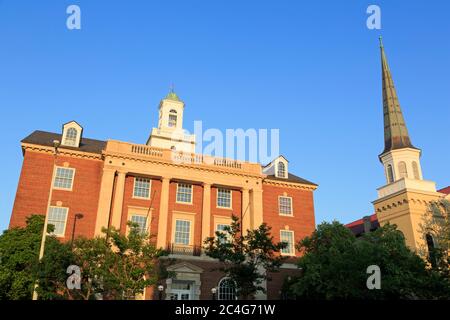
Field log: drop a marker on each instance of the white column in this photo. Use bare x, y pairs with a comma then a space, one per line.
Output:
118, 200
246, 214
206, 212
163, 214
104, 202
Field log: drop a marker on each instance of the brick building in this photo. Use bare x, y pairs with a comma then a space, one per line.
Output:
171, 192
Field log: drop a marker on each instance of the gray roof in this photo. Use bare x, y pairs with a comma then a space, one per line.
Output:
291, 178
44, 138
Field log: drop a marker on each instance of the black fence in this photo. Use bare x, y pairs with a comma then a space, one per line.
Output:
173, 248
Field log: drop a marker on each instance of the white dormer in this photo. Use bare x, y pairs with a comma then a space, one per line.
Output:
278, 167
71, 136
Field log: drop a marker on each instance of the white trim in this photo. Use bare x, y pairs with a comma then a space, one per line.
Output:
231, 199
292, 253
191, 229
72, 182
279, 207
65, 222
192, 193
149, 189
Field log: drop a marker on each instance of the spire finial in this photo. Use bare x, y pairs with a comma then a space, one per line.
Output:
381, 41
172, 88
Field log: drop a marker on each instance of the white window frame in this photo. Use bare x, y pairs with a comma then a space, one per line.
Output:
190, 243
227, 235
192, 193
65, 222
292, 253
218, 288
279, 207
217, 198
134, 214
71, 141
284, 176
149, 188
54, 178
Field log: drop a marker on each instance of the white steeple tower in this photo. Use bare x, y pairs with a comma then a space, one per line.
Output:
170, 133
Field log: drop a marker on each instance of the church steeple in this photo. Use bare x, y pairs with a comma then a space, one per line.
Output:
395, 132
400, 158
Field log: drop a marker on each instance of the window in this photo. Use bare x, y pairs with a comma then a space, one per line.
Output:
285, 206
431, 249
281, 170
184, 193
63, 178
71, 137
141, 221
221, 228
287, 237
224, 198
390, 174
172, 118
182, 232
57, 216
416, 173
403, 172
226, 289
141, 188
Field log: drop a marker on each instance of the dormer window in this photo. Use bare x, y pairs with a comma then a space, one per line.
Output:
71, 134
71, 137
172, 118
281, 170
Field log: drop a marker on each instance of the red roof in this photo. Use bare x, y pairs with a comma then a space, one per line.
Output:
373, 218
445, 190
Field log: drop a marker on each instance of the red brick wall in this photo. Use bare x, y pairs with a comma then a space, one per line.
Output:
302, 223
154, 202
196, 207
236, 204
34, 186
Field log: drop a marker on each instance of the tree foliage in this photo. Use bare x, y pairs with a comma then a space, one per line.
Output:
334, 266
436, 222
246, 258
115, 266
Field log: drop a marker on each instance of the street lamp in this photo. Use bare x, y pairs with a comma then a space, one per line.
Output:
160, 289
77, 216
213, 291
56, 144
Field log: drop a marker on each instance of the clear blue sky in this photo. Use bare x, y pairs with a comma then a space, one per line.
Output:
311, 69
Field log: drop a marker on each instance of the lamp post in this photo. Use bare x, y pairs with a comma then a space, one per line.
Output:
160, 289
77, 216
56, 144
213, 291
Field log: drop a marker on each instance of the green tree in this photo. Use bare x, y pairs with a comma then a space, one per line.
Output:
334, 265
19, 264
117, 266
131, 264
436, 223
246, 259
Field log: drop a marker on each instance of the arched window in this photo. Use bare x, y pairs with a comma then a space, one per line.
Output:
71, 137
431, 245
415, 167
281, 170
390, 174
172, 118
402, 171
226, 289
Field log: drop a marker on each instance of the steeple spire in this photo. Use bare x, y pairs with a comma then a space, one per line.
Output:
395, 132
